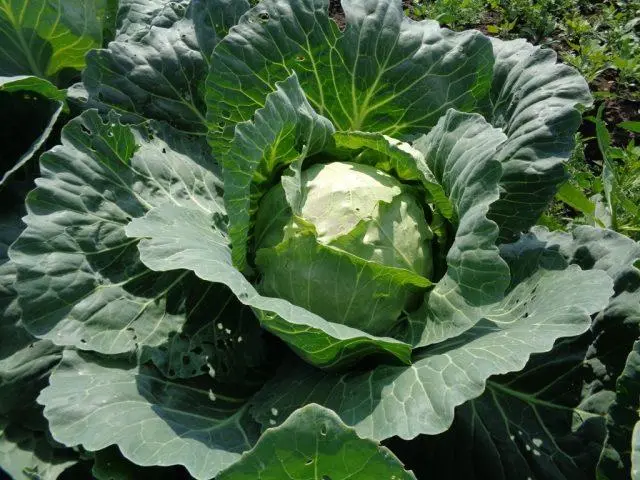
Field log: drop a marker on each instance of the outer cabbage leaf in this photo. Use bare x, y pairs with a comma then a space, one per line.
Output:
286, 130
227, 344
176, 237
314, 443
25, 454
41, 37
154, 421
80, 281
156, 65
459, 151
525, 425
622, 420
635, 452
25, 362
421, 398
30, 107
534, 100
611, 336
384, 73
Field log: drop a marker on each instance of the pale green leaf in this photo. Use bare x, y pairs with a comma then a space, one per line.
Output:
405, 162
313, 444
98, 402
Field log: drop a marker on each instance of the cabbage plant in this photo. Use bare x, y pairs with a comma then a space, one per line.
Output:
268, 244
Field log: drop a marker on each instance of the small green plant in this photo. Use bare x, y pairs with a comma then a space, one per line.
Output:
609, 198
589, 56
453, 13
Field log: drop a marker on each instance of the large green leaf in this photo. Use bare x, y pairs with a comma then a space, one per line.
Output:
176, 237
525, 425
98, 402
28, 455
80, 281
42, 37
460, 152
421, 398
313, 444
156, 66
622, 419
284, 131
534, 100
25, 362
384, 73
635, 452
611, 338
226, 344
29, 108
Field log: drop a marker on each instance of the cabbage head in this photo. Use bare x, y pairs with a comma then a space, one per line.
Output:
263, 228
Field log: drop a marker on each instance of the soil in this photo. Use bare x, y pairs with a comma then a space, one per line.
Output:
337, 13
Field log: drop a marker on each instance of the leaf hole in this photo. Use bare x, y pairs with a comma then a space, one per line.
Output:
300, 58
326, 477
264, 16
85, 130
82, 340
197, 350
323, 430
309, 461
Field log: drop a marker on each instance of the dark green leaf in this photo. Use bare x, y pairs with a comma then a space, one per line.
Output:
156, 66
80, 281
376, 76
